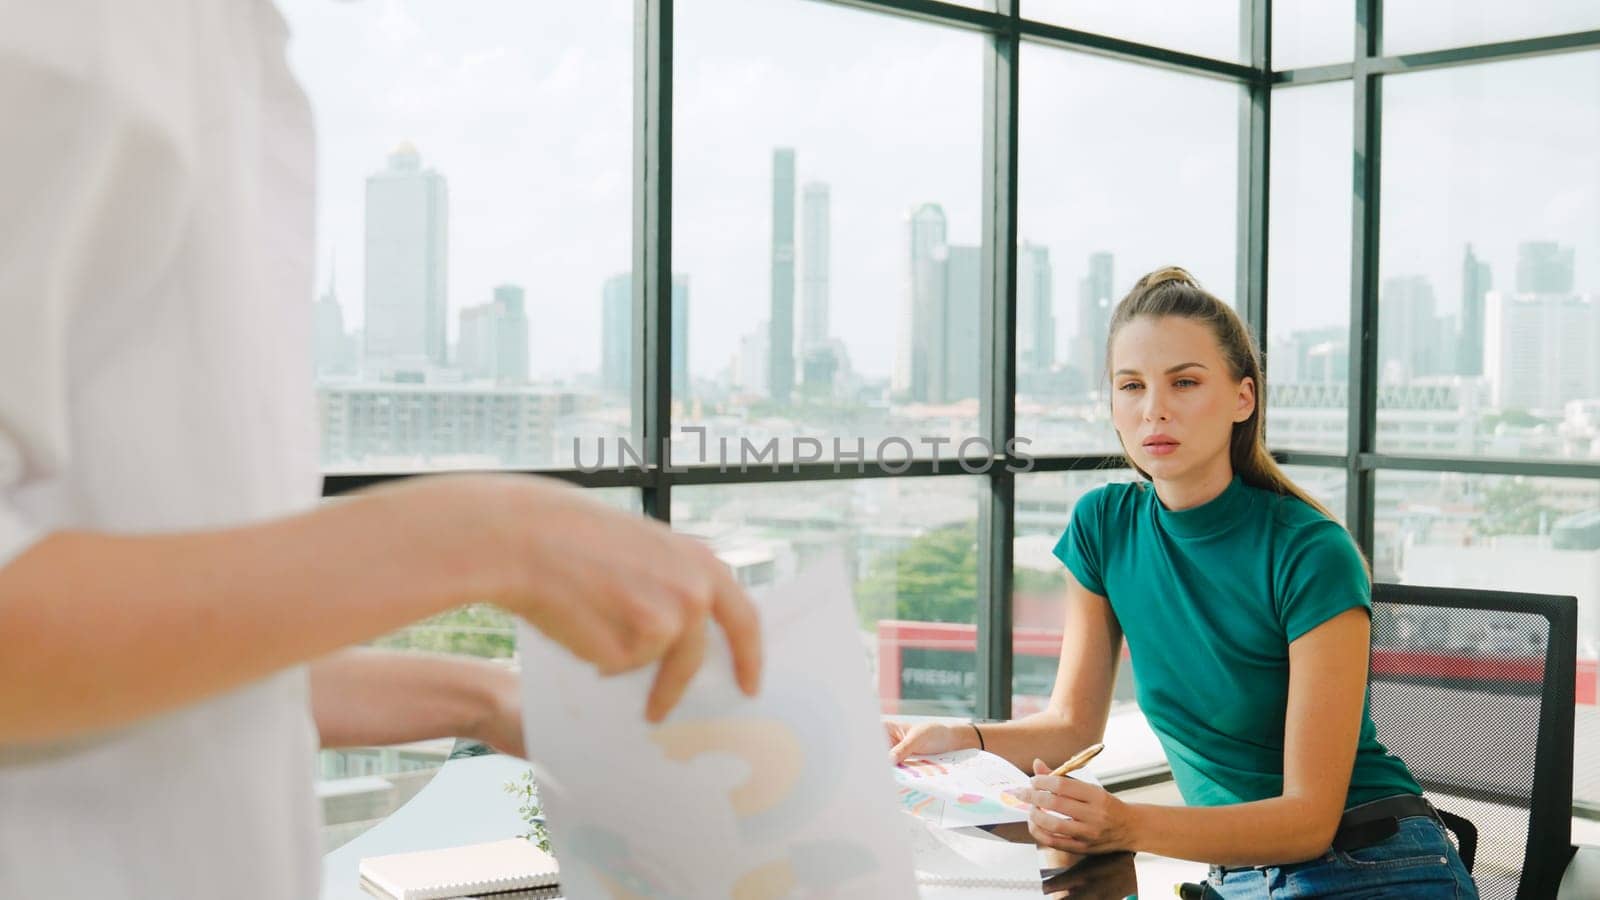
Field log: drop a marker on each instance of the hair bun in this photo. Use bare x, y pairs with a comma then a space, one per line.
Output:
1168, 274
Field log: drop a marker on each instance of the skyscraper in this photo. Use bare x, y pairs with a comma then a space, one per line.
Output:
1094, 318
1036, 318
955, 360
1312, 355
814, 240
493, 341
1541, 350
1544, 267
923, 318
334, 349
407, 216
938, 355
616, 335
511, 335
781, 377
680, 338
1476, 281
751, 366
1411, 337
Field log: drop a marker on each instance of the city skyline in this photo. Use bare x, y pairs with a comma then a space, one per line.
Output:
480, 105
937, 354
412, 202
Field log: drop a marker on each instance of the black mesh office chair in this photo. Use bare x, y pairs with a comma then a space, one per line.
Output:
1474, 690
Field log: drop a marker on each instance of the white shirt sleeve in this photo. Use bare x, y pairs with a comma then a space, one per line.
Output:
85, 186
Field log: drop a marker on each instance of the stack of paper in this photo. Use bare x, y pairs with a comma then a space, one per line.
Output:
970, 858
509, 865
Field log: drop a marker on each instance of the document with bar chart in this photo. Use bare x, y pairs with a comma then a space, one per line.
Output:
966, 787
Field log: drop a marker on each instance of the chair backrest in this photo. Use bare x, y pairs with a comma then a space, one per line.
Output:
1474, 690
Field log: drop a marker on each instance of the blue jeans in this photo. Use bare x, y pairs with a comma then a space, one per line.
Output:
1416, 863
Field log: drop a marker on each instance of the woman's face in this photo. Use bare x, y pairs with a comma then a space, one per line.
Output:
1173, 398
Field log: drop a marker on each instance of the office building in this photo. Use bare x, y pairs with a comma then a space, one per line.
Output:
407, 261
1476, 281
922, 315
780, 378
751, 365
616, 335
493, 341
955, 360
335, 351
1036, 318
1095, 301
1541, 349
443, 425
1412, 338
938, 354
814, 249
1544, 267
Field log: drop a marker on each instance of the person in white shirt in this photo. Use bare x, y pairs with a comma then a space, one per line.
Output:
173, 598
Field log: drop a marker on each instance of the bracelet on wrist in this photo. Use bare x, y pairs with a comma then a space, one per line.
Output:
979, 732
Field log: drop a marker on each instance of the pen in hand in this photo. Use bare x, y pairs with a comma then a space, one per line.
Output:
1079, 760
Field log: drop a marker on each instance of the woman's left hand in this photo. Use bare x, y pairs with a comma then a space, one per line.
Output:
1098, 823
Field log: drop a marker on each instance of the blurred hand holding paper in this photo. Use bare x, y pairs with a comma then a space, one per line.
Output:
749, 798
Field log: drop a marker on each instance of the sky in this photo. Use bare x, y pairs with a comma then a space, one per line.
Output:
526, 109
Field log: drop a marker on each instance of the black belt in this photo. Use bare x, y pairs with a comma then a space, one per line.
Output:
1363, 826
1369, 823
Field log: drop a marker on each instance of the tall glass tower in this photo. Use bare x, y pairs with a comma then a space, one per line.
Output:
407, 220
781, 360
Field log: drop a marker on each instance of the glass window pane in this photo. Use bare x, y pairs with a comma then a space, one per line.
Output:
1511, 533
1312, 33
1489, 320
360, 786
826, 226
911, 545
1308, 268
1123, 168
463, 252
1325, 485
1044, 503
1204, 27
1435, 24
1044, 508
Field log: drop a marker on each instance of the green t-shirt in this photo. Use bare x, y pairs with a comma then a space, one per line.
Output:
1209, 599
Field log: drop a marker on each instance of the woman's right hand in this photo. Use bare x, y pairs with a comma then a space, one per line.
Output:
617, 589
927, 738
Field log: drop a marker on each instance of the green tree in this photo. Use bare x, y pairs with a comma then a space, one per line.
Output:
1033, 581
477, 630
1513, 506
934, 579
1512, 416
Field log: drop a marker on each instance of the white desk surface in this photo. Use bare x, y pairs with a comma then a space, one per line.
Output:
464, 804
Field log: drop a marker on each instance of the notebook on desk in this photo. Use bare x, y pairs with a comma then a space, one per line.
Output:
497, 867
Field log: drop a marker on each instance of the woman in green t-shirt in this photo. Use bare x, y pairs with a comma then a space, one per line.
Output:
1246, 609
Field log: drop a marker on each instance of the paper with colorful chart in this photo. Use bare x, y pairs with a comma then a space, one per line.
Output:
781, 795
964, 787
